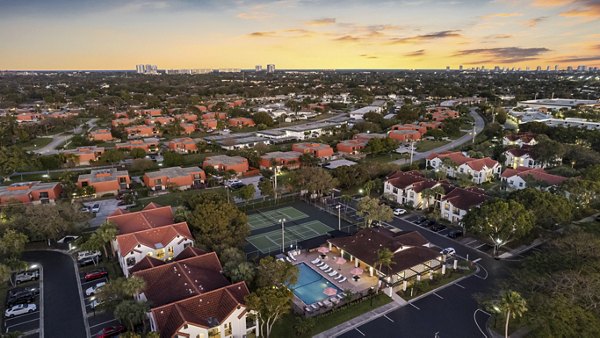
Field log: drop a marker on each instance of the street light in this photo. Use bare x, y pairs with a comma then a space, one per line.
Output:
360, 191
339, 208
282, 235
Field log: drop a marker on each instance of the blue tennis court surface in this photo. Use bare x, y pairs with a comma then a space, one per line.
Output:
310, 285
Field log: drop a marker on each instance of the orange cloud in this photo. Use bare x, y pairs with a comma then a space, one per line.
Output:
535, 21
551, 3
501, 15
321, 22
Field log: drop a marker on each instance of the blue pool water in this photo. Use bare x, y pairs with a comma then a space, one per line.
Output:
310, 285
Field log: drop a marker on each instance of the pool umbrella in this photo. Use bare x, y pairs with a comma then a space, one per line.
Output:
340, 260
323, 250
356, 271
330, 292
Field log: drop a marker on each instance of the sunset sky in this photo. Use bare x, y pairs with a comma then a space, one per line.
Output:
297, 34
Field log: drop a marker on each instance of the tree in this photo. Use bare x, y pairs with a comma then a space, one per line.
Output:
102, 238
132, 313
373, 211
385, 258
314, 180
269, 303
309, 160
49, 222
137, 153
172, 159
142, 165
582, 193
432, 193
112, 156
379, 145
275, 272
266, 187
12, 244
235, 265
219, 224
118, 290
549, 209
302, 326
263, 118
547, 151
247, 192
11, 160
513, 306
500, 221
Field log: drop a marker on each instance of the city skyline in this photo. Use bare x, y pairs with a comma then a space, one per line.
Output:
299, 34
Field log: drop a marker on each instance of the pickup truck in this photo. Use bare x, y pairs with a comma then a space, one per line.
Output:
26, 276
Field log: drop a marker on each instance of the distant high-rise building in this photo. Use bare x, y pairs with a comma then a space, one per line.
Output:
527, 68
538, 68
556, 68
547, 68
258, 68
460, 67
447, 67
270, 68
146, 69
581, 68
497, 68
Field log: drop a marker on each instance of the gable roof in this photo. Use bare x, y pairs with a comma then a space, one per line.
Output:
537, 174
156, 238
465, 199
150, 262
152, 216
182, 279
459, 158
206, 310
400, 179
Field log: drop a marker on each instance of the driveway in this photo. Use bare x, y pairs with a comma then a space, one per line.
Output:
59, 139
62, 311
479, 124
107, 207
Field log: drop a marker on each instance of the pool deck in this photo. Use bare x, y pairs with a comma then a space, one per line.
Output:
361, 286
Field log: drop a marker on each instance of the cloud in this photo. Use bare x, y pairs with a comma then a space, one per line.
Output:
551, 3
574, 59
501, 15
535, 21
426, 37
321, 22
348, 38
589, 9
499, 36
419, 52
504, 54
367, 56
270, 34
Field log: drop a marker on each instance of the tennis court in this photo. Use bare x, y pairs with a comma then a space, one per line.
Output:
271, 241
269, 218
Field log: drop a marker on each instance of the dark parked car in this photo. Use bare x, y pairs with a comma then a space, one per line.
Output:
96, 274
437, 227
17, 291
23, 297
110, 331
455, 233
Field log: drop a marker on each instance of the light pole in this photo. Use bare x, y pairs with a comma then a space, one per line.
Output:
282, 235
339, 208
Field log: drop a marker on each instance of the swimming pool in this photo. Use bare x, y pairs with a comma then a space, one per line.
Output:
310, 285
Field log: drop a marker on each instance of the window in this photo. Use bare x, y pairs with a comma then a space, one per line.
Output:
215, 332
187, 245
171, 251
160, 253
228, 331
412, 194
130, 261
395, 190
520, 184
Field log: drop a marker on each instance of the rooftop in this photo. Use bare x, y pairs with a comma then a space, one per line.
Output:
174, 172
224, 159
103, 175
152, 216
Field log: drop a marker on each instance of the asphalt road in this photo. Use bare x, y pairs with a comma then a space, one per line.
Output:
450, 312
479, 124
63, 315
59, 139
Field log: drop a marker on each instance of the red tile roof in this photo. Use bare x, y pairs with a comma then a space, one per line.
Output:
182, 279
156, 238
537, 174
152, 216
206, 310
465, 199
151, 262
458, 158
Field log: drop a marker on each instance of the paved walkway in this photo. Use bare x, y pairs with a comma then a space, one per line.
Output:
355, 322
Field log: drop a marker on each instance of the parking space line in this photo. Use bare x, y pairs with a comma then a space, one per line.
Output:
460, 286
21, 316
477, 260
413, 305
438, 295
8, 327
359, 331
388, 318
41, 288
103, 323
471, 242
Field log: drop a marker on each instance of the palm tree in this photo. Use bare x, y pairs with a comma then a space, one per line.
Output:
132, 313
106, 233
513, 305
385, 257
133, 285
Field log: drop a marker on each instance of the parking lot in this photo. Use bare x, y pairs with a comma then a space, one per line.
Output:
97, 318
107, 207
29, 323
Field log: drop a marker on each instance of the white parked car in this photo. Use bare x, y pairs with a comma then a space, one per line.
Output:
87, 254
19, 309
96, 208
27, 276
399, 211
448, 252
93, 289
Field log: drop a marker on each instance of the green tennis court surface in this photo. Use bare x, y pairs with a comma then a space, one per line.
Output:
271, 241
268, 218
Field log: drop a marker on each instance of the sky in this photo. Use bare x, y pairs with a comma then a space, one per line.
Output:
298, 34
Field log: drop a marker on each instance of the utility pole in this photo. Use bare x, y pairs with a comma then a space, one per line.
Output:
493, 115
339, 207
474, 133
282, 235
412, 150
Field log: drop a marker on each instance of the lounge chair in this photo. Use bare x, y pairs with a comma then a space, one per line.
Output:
320, 304
315, 261
314, 306
339, 277
324, 267
333, 273
328, 270
334, 300
340, 296
288, 259
342, 280
320, 264
291, 256
327, 303
308, 309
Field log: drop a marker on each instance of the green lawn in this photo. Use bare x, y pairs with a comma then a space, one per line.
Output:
427, 145
36, 143
285, 326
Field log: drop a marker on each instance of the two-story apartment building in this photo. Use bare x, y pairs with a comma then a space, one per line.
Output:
280, 159
184, 145
226, 163
105, 181
455, 204
84, 155
141, 131
318, 150
149, 232
521, 157
177, 177
517, 178
520, 140
30, 192
101, 135
198, 300
454, 163
149, 145
407, 187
